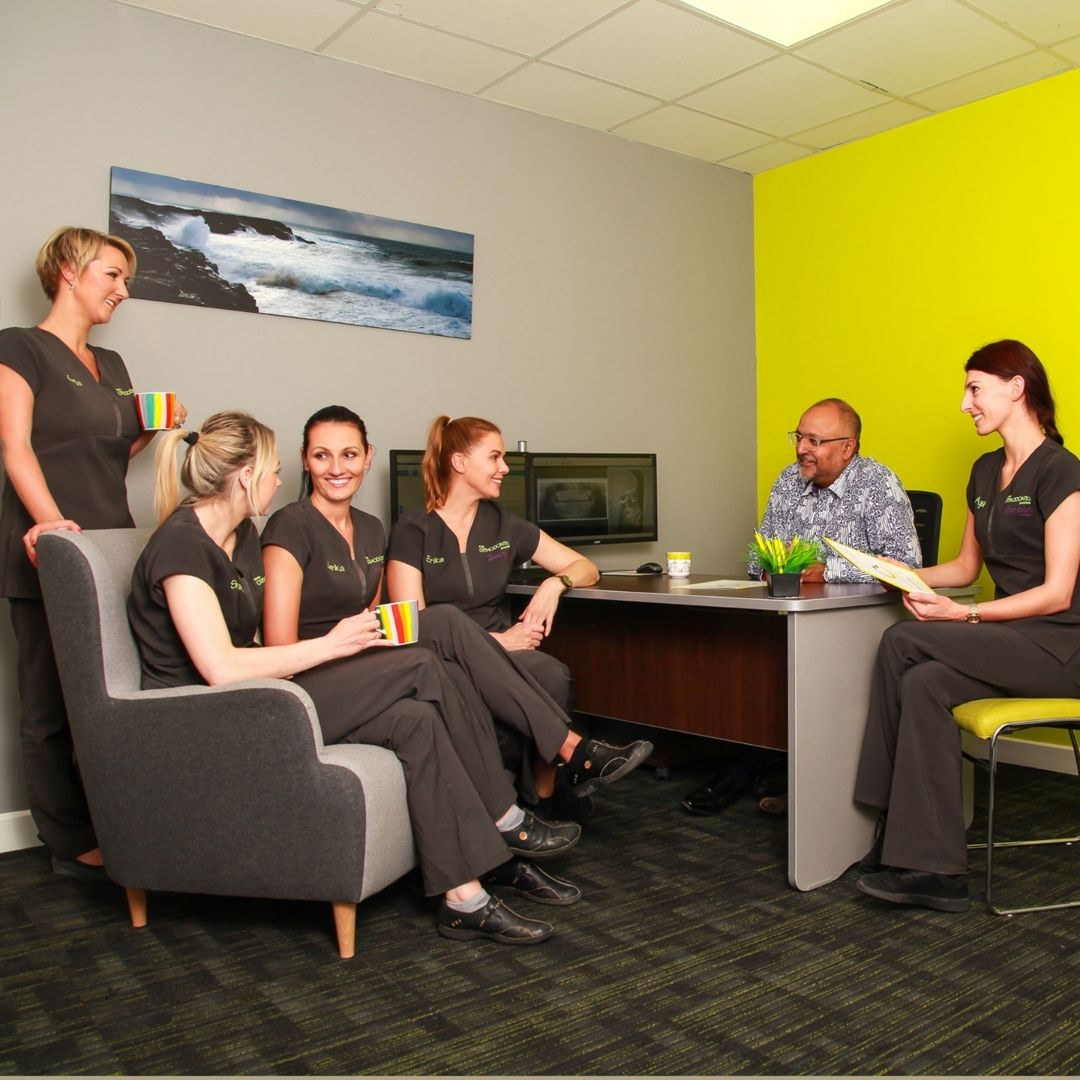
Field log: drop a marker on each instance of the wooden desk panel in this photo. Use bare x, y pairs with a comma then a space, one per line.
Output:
700, 670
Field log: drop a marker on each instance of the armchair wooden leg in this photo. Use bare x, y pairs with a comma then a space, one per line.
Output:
136, 899
345, 924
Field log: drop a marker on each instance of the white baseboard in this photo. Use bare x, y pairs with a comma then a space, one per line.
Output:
17, 831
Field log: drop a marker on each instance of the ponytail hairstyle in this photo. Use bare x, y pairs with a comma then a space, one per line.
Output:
446, 438
226, 443
1007, 359
331, 414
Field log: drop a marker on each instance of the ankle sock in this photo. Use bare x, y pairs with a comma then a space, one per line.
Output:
466, 907
511, 820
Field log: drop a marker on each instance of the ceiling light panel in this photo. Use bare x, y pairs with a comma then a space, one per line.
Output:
787, 22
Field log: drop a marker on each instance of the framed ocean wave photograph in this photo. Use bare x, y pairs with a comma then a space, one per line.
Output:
222, 247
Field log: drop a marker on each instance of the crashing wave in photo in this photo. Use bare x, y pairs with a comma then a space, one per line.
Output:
220, 247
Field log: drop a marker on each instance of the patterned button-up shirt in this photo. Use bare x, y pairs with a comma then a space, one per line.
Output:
865, 507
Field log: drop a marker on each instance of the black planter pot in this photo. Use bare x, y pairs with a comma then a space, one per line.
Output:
786, 585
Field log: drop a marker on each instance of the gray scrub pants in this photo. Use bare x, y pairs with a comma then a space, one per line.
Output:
402, 698
911, 763
494, 681
54, 788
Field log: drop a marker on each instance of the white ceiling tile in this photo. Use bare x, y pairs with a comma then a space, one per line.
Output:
568, 96
991, 80
303, 26
1046, 21
390, 44
880, 118
675, 128
525, 26
914, 45
783, 96
1070, 48
660, 50
766, 157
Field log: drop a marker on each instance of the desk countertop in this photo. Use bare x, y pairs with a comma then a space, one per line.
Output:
660, 589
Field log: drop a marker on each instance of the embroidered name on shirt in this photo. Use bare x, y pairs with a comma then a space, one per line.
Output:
434, 560
236, 586
337, 568
73, 380
980, 503
502, 545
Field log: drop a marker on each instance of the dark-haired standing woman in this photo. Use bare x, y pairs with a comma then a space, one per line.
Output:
1023, 522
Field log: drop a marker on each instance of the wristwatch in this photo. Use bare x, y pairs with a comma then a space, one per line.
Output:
566, 579
973, 615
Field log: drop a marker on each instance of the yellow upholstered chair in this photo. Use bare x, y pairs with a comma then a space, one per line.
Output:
992, 719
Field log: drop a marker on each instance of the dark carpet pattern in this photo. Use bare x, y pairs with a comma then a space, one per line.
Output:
688, 955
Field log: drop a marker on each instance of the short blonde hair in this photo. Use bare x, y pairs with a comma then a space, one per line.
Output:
226, 443
76, 248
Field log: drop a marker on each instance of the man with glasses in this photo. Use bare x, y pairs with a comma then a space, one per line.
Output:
830, 490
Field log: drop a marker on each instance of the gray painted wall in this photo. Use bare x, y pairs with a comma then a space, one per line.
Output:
614, 306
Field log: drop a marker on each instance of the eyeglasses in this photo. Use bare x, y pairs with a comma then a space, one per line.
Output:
815, 441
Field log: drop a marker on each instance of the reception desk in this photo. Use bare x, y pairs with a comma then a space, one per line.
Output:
734, 664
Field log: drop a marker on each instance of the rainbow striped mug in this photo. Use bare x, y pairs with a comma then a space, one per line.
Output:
399, 621
157, 409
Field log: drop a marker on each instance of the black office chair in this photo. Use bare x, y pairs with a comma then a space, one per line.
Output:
927, 508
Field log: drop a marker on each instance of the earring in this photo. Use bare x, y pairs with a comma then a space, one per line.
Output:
71, 285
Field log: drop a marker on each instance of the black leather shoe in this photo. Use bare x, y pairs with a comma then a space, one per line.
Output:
871, 862
717, 795
595, 763
75, 869
535, 838
942, 892
526, 879
494, 921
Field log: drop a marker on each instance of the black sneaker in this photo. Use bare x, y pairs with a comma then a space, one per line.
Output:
494, 921
523, 878
921, 888
535, 838
595, 763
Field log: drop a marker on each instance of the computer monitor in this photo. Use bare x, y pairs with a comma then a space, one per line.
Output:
407, 484
584, 499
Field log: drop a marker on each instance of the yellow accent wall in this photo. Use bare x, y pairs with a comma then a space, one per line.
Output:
882, 265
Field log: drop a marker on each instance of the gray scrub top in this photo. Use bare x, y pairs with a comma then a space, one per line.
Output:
82, 435
335, 584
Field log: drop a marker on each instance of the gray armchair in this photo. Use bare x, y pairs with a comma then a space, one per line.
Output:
226, 790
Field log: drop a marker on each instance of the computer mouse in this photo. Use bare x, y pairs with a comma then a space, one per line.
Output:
650, 568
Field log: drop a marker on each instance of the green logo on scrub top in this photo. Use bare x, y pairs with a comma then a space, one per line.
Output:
502, 545
125, 393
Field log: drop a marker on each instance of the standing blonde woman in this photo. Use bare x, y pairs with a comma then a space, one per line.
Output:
68, 428
196, 607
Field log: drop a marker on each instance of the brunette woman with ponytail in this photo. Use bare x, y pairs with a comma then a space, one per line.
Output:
1023, 523
195, 609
